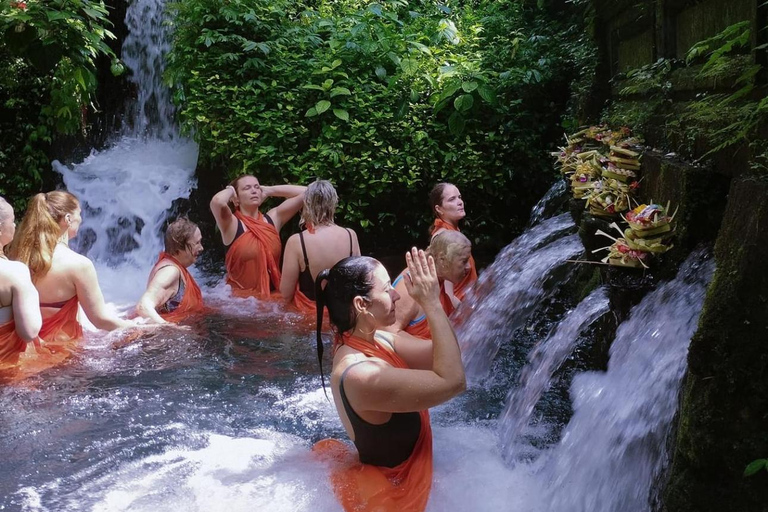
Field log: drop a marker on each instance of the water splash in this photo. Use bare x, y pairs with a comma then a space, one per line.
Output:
549, 203
544, 360
126, 193
613, 449
510, 290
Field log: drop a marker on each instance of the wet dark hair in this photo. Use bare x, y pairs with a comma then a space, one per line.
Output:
347, 279
436, 196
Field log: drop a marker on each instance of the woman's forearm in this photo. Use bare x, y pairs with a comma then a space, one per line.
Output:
286, 190
446, 355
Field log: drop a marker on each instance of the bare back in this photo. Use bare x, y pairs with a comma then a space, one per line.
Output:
58, 285
324, 248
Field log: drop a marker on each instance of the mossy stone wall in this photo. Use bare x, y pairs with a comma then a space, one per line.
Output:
724, 414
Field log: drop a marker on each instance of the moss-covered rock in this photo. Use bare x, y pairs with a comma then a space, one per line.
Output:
725, 402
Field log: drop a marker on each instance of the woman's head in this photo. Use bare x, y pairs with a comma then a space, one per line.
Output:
48, 218
446, 203
7, 223
183, 240
320, 202
248, 190
452, 252
357, 290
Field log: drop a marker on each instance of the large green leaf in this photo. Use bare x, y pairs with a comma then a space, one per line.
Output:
456, 123
341, 114
463, 102
322, 105
409, 66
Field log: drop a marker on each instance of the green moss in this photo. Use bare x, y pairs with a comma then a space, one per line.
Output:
725, 400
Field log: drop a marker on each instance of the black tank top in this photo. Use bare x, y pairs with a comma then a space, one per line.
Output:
306, 283
388, 444
241, 229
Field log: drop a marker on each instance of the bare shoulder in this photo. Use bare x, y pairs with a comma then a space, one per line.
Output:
68, 261
167, 274
14, 272
292, 242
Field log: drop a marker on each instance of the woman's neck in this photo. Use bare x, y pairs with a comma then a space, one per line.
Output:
363, 333
448, 221
250, 212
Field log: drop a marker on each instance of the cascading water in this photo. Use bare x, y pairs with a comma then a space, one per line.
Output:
613, 448
128, 189
543, 360
550, 203
510, 289
144, 50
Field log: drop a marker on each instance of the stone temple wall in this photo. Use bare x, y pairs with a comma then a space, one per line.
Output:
723, 199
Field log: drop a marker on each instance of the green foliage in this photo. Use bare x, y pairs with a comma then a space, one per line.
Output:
717, 121
48, 54
384, 99
755, 466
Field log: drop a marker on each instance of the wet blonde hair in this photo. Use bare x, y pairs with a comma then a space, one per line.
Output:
39, 230
320, 201
447, 244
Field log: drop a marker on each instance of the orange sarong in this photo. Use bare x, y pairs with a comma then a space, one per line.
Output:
303, 303
62, 328
365, 488
253, 260
10, 344
459, 290
192, 301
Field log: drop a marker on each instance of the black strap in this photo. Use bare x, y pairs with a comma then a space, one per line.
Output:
304, 251
349, 232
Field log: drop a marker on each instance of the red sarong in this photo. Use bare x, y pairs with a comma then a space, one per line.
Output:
460, 289
192, 301
61, 329
365, 488
253, 260
10, 344
303, 303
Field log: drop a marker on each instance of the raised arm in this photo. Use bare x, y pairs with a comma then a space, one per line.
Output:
294, 199
163, 285
380, 387
225, 220
290, 273
91, 299
407, 309
26, 303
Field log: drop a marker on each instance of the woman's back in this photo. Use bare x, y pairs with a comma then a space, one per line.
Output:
58, 285
327, 246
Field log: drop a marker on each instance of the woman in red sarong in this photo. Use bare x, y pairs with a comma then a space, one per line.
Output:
172, 293
452, 252
446, 203
383, 383
63, 278
321, 245
253, 238
20, 318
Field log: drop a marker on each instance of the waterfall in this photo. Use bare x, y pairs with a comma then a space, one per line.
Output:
128, 190
144, 50
543, 361
509, 290
549, 203
613, 449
